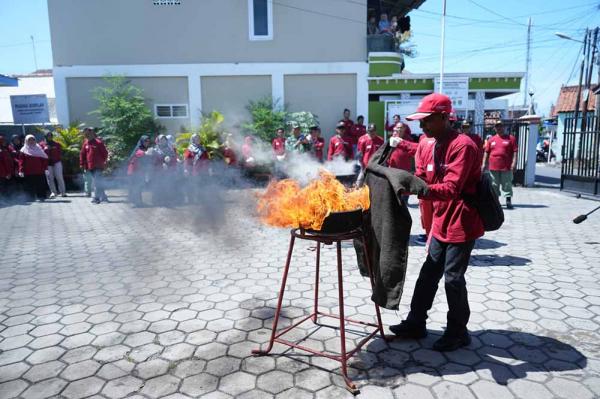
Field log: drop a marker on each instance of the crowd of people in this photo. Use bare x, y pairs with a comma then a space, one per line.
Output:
386, 25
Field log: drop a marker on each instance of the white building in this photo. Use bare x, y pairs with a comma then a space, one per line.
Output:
38, 82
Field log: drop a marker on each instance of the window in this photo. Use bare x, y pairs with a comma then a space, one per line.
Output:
260, 19
171, 110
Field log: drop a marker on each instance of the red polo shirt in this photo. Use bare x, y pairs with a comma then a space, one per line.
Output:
337, 148
501, 150
401, 156
453, 171
278, 145
318, 145
367, 146
356, 132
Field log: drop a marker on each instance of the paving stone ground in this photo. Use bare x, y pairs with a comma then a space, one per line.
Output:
107, 302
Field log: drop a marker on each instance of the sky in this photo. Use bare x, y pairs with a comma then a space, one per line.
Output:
481, 36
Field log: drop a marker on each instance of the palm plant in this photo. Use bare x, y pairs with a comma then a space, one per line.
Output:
70, 139
210, 132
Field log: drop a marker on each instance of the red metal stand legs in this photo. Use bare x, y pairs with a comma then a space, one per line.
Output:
344, 355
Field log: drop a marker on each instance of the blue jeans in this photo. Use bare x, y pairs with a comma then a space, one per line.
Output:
98, 184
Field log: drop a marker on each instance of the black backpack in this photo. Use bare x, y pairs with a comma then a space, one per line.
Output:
486, 201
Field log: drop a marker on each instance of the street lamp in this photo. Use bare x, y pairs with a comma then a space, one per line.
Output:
567, 37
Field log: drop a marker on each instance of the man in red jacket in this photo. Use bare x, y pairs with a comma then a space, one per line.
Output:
368, 145
92, 159
451, 170
501, 151
338, 148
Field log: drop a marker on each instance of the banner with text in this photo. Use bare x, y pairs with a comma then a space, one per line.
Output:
29, 109
457, 88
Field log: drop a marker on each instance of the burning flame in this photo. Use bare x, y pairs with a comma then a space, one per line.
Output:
285, 204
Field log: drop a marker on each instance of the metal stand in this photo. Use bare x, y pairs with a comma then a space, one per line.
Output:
344, 355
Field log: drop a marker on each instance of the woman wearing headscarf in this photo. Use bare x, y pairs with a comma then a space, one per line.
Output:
195, 164
33, 163
55, 169
229, 152
137, 170
165, 168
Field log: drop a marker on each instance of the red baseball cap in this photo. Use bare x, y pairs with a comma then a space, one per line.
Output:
435, 103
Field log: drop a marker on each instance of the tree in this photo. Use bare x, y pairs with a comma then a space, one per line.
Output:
124, 116
210, 132
267, 116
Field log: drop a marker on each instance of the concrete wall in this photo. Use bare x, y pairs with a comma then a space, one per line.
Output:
117, 32
323, 95
159, 90
230, 95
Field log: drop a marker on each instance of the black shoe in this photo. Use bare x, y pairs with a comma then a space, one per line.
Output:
509, 203
95, 201
421, 239
451, 342
409, 330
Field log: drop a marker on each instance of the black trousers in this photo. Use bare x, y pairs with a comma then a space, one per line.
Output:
451, 261
35, 186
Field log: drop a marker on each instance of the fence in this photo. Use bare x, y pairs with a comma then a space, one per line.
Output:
580, 169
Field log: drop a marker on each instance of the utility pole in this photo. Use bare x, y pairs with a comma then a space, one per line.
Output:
527, 64
592, 51
34, 54
441, 88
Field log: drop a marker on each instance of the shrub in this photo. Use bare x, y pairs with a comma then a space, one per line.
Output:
70, 139
210, 131
303, 119
124, 117
267, 116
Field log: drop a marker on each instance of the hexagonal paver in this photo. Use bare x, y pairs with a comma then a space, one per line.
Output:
83, 388
160, 386
275, 381
236, 383
12, 389
44, 371
178, 352
45, 355
198, 385
151, 368
122, 387
138, 339
412, 391
80, 370
44, 389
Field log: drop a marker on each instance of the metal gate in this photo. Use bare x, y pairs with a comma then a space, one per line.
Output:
580, 169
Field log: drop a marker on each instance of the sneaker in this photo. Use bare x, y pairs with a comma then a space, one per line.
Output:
421, 239
509, 204
451, 342
409, 330
52, 196
95, 201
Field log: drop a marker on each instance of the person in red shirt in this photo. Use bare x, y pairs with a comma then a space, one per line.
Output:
450, 169
348, 123
92, 159
338, 148
357, 131
137, 170
6, 169
55, 168
16, 143
465, 128
317, 143
368, 145
501, 152
404, 149
389, 127
278, 144
33, 163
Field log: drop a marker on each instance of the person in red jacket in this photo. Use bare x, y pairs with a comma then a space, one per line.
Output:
16, 143
501, 152
92, 159
348, 123
278, 144
404, 149
6, 169
138, 169
389, 127
368, 144
465, 128
338, 148
55, 168
450, 169
357, 131
33, 163
317, 143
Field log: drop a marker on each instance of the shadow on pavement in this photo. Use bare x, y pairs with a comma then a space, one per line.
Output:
498, 260
503, 355
484, 243
529, 206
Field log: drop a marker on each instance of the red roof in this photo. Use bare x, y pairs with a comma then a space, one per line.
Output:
567, 99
